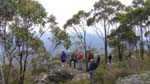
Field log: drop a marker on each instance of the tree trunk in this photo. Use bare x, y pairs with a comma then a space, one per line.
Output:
119, 49
21, 80
105, 31
21, 70
24, 66
21, 65
9, 71
119, 55
130, 50
85, 53
141, 44
105, 49
149, 46
86, 59
2, 75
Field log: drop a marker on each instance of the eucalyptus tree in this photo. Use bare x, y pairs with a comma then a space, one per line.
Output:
8, 52
7, 11
131, 40
147, 36
147, 33
120, 19
126, 32
103, 13
138, 19
77, 24
18, 20
123, 38
139, 23
60, 37
29, 14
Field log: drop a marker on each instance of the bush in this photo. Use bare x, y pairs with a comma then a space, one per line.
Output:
110, 73
99, 75
87, 81
29, 78
39, 69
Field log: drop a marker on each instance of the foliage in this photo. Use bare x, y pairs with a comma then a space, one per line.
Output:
109, 74
21, 45
60, 37
77, 24
80, 82
39, 69
102, 19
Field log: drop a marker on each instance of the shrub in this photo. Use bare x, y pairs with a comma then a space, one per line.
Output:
86, 81
99, 75
39, 69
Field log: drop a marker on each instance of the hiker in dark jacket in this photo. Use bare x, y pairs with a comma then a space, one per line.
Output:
92, 68
110, 59
63, 56
73, 59
98, 60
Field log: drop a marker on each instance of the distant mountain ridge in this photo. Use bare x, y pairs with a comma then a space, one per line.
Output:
92, 40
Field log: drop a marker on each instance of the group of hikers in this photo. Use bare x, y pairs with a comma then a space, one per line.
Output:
77, 57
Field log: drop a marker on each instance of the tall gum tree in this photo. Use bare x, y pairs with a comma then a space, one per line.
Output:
7, 12
29, 14
77, 24
102, 14
138, 19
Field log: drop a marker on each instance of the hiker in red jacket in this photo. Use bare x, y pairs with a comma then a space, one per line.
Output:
80, 59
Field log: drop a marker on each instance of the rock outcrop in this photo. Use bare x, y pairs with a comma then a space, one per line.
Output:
60, 72
143, 78
42, 79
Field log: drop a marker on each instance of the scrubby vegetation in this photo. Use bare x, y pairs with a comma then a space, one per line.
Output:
125, 31
110, 73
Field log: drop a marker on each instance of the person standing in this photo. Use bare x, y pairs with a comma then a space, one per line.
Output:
90, 56
80, 59
98, 61
110, 59
73, 59
63, 56
92, 67
68, 57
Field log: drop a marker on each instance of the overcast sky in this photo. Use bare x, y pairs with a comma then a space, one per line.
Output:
64, 9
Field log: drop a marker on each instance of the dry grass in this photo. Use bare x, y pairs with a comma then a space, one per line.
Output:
109, 73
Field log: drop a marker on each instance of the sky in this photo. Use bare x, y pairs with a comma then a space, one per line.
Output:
64, 9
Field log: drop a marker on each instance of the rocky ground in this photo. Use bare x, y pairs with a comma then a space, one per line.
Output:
143, 78
60, 72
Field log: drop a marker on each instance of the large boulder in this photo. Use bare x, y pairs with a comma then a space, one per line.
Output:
59, 72
143, 78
